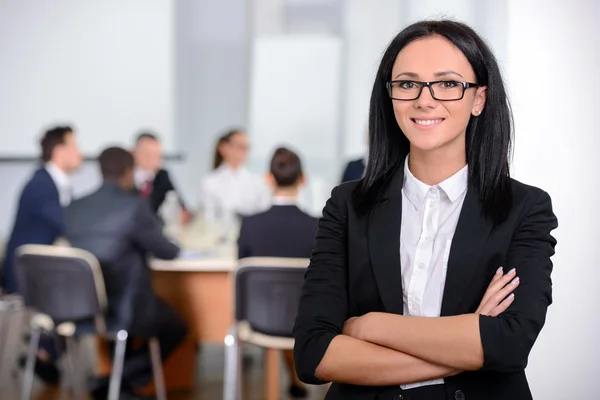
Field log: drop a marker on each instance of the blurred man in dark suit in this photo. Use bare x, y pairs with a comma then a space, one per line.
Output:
117, 226
282, 231
151, 180
354, 170
39, 220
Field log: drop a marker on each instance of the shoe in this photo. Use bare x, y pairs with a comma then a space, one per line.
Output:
298, 392
45, 370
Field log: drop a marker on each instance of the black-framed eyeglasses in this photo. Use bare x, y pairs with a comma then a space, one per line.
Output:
440, 90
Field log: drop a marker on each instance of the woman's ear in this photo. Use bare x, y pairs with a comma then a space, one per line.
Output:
480, 99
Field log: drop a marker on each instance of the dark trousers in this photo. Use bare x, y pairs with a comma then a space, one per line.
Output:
170, 330
52, 344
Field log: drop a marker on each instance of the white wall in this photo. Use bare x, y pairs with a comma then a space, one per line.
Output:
104, 66
554, 58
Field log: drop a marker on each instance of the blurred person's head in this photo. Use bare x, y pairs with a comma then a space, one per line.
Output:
464, 116
148, 152
285, 173
116, 165
59, 146
218, 157
231, 149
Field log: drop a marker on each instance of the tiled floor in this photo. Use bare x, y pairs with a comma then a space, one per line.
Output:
209, 381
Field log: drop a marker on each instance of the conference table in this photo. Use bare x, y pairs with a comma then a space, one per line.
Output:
199, 286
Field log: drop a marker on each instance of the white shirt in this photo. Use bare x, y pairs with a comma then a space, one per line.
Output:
62, 182
142, 176
429, 218
284, 201
227, 190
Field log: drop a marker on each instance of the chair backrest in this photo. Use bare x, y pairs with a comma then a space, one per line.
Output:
267, 293
62, 282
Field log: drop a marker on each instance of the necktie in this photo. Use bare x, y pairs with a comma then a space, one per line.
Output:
146, 188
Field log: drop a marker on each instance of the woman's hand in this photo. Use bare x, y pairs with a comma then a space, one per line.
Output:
356, 327
351, 327
498, 295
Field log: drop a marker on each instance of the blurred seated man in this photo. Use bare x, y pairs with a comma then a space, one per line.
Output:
116, 225
283, 230
152, 181
39, 220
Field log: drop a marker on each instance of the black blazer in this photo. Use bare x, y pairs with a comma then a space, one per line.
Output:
281, 231
161, 185
354, 170
121, 231
355, 269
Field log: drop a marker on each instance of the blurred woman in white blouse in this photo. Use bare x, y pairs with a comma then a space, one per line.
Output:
231, 189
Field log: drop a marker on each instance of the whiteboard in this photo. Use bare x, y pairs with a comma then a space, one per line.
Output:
295, 95
104, 66
295, 101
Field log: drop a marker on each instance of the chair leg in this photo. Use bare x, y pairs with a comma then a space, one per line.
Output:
72, 366
232, 383
157, 370
4, 321
8, 339
114, 387
32, 350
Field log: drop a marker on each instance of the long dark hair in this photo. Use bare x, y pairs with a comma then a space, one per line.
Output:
218, 157
488, 136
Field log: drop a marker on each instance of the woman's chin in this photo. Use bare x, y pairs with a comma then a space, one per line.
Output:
425, 145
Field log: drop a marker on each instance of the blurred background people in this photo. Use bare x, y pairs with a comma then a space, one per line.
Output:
118, 227
354, 170
282, 231
230, 189
39, 220
151, 179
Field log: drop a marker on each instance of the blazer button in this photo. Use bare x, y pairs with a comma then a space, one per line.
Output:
459, 395
399, 397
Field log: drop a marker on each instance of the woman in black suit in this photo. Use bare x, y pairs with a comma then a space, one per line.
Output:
430, 277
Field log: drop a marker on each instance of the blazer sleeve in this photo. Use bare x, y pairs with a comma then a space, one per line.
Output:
147, 234
45, 204
323, 307
508, 338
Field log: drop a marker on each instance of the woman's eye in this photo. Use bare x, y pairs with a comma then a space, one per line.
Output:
448, 84
408, 85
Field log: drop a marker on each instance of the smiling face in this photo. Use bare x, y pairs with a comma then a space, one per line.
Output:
429, 124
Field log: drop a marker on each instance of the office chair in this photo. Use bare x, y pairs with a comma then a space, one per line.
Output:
267, 292
65, 287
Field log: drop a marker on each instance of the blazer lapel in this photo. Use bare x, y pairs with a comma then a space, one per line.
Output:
469, 238
383, 236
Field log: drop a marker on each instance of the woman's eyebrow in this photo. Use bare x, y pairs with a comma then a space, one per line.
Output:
446, 73
437, 74
409, 74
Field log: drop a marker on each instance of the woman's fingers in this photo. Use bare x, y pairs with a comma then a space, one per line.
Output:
505, 291
503, 306
498, 282
496, 299
487, 294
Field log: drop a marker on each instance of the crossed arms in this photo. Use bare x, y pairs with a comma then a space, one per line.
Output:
380, 349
